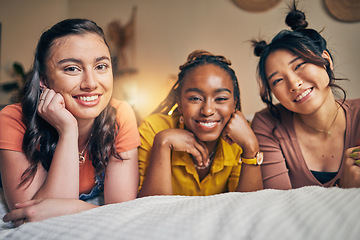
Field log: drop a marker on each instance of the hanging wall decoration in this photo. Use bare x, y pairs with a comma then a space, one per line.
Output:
344, 10
121, 39
256, 5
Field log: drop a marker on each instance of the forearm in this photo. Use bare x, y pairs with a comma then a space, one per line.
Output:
280, 181
41, 209
250, 178
122, 178
274, 169
158, 176
250, 147
62, 180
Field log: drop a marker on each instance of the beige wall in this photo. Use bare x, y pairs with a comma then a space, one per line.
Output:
168, 30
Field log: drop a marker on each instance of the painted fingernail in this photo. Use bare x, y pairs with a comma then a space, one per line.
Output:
357, 162
354, 155
356, 150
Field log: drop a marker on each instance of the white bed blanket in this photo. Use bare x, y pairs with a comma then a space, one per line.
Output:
305, 213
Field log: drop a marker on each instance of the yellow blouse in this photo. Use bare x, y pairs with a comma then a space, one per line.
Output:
225, 169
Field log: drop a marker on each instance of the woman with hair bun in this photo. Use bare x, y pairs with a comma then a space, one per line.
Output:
309, 137
195, 140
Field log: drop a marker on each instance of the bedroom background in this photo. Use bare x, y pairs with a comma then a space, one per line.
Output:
165, 32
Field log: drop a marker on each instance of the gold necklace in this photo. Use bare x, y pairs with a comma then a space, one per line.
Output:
81, 154
321, 130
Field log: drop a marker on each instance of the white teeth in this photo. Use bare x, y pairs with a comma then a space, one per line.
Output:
207, 124
88, 99
304, 94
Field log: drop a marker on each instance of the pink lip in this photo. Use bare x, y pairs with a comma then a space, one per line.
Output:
85, 99
308, 93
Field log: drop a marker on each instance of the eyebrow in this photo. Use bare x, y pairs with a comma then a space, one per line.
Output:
200, 91
271, 75
292, 61
102, 58
222, 90
74, 60
69, 60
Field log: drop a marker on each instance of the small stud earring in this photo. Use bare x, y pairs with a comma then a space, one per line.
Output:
181, 119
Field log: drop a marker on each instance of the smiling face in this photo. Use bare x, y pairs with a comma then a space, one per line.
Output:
299, 86
207, 101
79, 68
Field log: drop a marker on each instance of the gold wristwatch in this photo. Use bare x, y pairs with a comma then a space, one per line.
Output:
257, 160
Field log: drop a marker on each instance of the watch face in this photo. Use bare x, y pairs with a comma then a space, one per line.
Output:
260, 158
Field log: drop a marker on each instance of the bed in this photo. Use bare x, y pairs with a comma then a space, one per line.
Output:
305, 213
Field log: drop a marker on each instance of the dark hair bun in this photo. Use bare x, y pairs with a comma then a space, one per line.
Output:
198, 53
203, 56
296, 19
259, 47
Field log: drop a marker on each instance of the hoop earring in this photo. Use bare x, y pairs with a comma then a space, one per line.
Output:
181, 119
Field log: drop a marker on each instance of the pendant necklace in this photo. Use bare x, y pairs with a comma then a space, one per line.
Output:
81, 154
321, 130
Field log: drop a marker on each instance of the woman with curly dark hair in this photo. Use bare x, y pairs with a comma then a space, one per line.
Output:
68, 140
309, 137
197, 138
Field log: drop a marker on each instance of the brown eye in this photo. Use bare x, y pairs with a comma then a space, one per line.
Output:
102, 67
194, 98
221, 99
70, 69
299, 65
276, 81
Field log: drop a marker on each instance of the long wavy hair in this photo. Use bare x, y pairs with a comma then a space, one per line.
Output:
302, 41
195, 59
40, 138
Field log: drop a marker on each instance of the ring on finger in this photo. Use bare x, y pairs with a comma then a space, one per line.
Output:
24, 221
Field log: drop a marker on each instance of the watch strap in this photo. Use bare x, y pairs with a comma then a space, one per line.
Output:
250, 161
257, 160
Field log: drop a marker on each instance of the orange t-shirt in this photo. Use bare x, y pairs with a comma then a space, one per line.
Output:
12, 130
